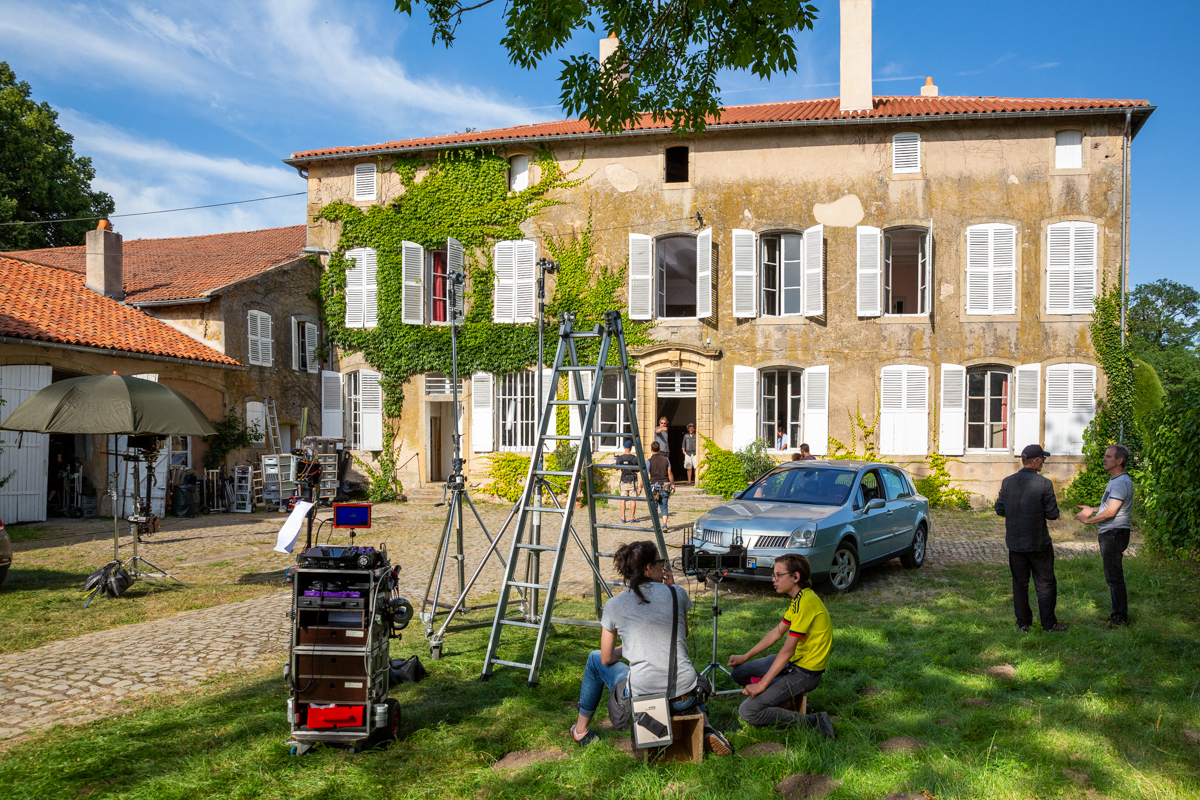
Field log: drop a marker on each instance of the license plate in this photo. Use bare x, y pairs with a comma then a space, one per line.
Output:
751, 563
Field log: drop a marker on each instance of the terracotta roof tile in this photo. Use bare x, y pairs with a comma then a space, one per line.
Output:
187, 266
800, 111
53, 305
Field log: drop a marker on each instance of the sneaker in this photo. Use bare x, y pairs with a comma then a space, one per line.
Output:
715, 742
624, 521
825, 725
1057, 627
586, 739
1115, 621
1023, 628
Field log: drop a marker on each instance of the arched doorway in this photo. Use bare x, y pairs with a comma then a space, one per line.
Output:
675, 394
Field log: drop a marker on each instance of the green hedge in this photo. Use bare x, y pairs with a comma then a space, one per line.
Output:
1170, 480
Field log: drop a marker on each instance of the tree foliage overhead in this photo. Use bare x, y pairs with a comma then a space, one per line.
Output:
666, 63
41, 178
1164, 327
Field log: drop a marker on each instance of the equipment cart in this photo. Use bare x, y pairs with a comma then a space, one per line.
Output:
338, 666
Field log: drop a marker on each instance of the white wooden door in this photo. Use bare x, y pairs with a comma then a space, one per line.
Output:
23, 497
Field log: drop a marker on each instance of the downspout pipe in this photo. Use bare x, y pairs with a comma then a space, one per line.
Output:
1124, 219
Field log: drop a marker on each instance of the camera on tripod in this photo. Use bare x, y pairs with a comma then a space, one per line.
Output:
700, 562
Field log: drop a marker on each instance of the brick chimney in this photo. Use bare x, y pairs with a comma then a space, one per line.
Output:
856, 92
104, 261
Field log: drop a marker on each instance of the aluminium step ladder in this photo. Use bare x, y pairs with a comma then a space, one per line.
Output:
611, 338
273, 438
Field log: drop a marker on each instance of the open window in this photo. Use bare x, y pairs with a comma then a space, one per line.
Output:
304, 346
782, 259
677, 167
906, 271
792, 400
989, 409
778, 274
671, 277
675, 265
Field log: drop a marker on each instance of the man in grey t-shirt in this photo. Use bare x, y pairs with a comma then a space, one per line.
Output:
644, 629
1113, 520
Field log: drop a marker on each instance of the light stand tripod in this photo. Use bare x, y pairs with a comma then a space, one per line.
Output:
456, 486
710, 671
143, 519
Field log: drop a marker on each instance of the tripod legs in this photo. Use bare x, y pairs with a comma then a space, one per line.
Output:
714, 666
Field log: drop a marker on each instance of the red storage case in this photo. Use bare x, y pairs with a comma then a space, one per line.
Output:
335, 717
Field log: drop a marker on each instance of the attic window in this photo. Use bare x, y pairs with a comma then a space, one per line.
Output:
677, 165
1068, 149
518, 173
364, 182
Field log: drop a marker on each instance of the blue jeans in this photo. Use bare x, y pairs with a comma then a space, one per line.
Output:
596, 676
664, 497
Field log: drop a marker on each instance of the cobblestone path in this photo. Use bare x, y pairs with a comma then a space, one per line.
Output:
87, 677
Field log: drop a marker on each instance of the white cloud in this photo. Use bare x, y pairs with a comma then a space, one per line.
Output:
149, 175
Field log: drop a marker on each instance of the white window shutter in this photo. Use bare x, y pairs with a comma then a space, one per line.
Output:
331, 404
816, 409
354, 288
256, 414
370, 400
1058, 409
370, 307
1058, 268
505, 266
953, 423
575, 417
525, 293
454, 266
870, 271
146, 376
745, 406
814, 271
641, 276
704, 272
916, 411
1027, 408
364, 182
296, 343
412, 269
1083, 405
548, 391
1083, 267
482, 415
518, 173
906, 152
1004, 269
891, 410
979, 266
255, 351
267, 343
1068, 149
310, 343
745, 273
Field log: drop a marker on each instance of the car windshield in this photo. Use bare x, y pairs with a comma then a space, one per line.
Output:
820, 487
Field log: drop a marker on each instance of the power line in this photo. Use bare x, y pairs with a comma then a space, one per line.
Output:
147, 213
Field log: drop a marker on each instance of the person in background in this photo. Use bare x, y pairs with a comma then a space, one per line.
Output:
795, 456
780, 439
641, 616
689, 452
806, 454
1026, 501
1113, 521
660, 436
798, 666
661, 483
629, 480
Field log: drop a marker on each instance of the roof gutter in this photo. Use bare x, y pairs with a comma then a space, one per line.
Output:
79, 348
184, 301
1143, 111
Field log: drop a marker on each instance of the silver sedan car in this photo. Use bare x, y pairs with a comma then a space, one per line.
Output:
841, 515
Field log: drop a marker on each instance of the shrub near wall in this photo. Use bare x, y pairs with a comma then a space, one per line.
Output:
1171, 477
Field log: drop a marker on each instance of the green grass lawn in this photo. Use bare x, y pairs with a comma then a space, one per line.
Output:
1090, 713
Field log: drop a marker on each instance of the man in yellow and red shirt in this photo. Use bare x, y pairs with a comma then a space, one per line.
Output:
798, 666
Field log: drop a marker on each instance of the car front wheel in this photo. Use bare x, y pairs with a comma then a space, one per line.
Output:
915, 556
843, 569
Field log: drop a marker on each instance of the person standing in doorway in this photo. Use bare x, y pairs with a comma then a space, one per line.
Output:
661, 483
1026, 501
689, 452
806, 454
781, 442
1113, 520
629, 480
660, 436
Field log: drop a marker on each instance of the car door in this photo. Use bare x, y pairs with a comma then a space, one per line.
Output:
902, 506
874, 526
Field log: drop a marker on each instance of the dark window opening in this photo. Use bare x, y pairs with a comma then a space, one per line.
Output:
437, 287
906, 271
782, 273
780, 410
677, 165
676, 263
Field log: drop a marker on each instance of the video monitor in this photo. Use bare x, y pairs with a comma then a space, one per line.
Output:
351, 515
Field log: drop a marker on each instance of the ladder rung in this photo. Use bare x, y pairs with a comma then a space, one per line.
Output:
525, 546
558, 472
518, 624
562, 438
568, 402
547, 509
608, 555
524, 585
585, 368
516, 664
584, 335
619, 497
624, 527
615, 466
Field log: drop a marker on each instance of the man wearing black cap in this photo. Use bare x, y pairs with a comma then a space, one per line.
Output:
1026, 501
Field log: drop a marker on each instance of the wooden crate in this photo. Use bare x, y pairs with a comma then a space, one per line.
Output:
688, 744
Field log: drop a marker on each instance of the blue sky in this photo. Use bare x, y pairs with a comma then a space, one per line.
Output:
182, 104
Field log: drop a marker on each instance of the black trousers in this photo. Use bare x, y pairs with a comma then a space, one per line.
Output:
1112, 552
1041, 566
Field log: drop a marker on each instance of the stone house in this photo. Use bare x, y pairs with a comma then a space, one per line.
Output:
237, 308
927, 261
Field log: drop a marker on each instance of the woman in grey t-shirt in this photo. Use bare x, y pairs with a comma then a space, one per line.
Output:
641, 616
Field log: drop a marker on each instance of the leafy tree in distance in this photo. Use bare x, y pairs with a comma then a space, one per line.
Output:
1163, 327
666, 63
41, 178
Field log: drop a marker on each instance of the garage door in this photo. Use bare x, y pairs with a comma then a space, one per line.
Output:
23, 497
